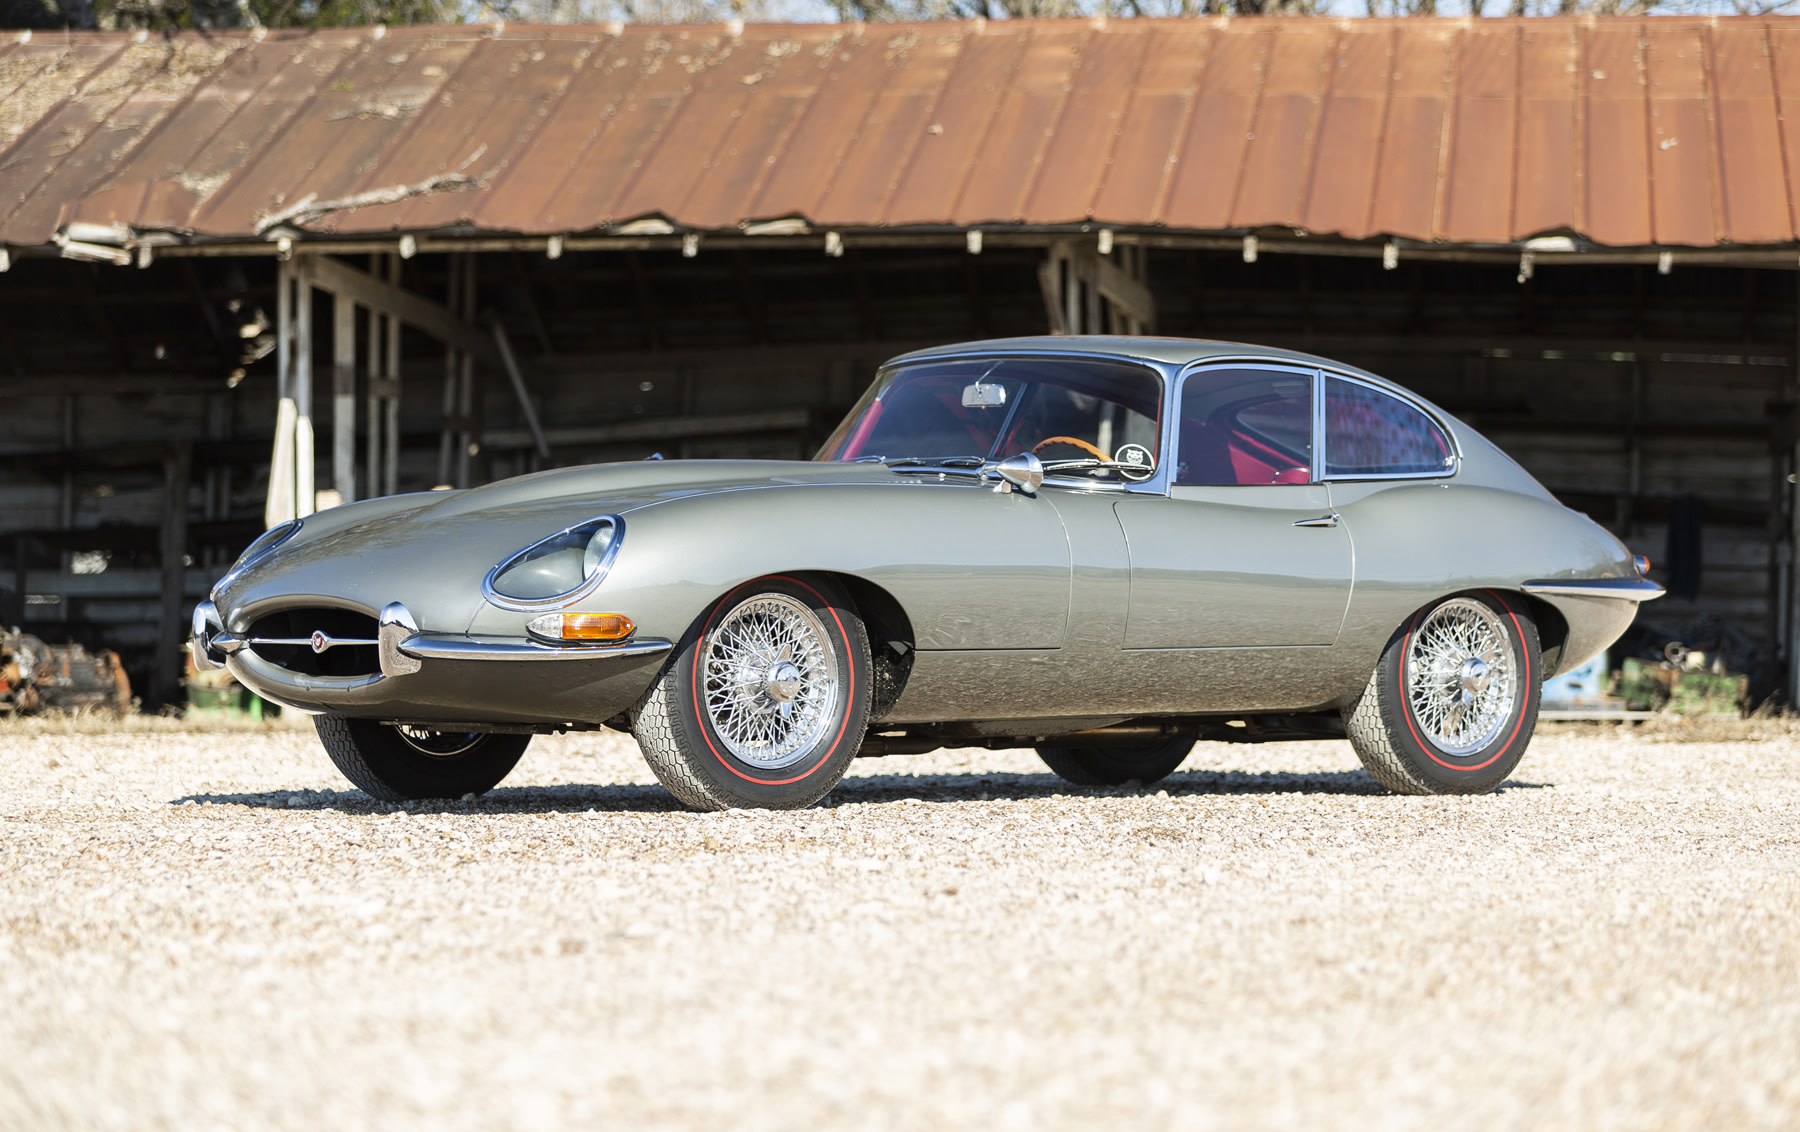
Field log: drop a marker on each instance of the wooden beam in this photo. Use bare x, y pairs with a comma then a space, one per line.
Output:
518, 387
640, 283
756, 312
172, 622
522, 271
865, 306
81, 275
226, 343
414, 310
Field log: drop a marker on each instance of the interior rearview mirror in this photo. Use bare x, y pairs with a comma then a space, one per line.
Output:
984, 395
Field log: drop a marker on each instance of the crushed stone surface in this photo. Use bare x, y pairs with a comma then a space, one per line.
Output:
210, 930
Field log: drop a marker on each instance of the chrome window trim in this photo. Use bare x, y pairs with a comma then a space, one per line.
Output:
1405, 398
557, 601
1166, 374
1248, 361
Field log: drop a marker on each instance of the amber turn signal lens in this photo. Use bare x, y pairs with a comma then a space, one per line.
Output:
1642, 562
583, 626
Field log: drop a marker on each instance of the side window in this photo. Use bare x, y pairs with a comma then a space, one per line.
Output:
1244, 426
1370, 433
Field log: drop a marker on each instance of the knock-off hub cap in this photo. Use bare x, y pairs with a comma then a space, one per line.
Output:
1474, 678
782, 682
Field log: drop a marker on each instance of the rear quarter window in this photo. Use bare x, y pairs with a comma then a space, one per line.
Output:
1371, 433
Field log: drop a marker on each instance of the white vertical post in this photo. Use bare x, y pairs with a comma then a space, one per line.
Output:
372, 403
305, 493
280, 505
343, 397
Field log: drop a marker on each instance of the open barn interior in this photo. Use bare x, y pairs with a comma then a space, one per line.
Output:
142, 402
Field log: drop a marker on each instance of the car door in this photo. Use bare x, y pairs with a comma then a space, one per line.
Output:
1245, 551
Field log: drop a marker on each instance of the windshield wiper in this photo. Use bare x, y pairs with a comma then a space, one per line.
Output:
1089, 464
922, 461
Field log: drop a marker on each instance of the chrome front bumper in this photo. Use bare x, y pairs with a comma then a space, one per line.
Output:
404, 650
1611, 589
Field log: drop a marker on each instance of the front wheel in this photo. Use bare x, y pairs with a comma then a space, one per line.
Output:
1453, 701
403, 763
765, 703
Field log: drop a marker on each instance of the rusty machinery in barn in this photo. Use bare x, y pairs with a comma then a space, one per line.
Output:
248, 274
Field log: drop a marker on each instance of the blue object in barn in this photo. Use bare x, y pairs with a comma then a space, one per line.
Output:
1579, 688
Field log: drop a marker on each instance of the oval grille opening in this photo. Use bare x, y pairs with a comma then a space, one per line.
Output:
299, 625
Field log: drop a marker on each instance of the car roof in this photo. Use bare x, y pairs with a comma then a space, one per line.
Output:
1167, 351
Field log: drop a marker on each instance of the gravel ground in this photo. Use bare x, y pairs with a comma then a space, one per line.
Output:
206, 930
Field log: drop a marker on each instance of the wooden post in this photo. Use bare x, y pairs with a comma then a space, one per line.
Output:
447, 435
1791, 641
280, 506
465, 402
343, 397
305, 494
390, 467
172, 624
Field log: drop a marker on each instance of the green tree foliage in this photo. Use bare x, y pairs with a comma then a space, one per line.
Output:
174, 15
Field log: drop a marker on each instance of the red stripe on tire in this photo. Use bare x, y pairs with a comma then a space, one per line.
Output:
694, 682
1406, 701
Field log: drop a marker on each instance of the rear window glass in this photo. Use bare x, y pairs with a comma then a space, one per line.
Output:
1245, 426
1371, 433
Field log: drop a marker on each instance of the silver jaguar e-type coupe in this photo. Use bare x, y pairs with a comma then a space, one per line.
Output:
1104, 548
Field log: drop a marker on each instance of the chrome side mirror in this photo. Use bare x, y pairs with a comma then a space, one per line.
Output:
1023, 472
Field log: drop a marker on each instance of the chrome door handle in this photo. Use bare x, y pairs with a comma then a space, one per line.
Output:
1322, 521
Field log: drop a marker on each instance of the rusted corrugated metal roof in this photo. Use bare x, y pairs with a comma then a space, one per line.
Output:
1630, 132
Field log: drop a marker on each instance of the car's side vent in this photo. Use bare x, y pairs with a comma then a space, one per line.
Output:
318, 642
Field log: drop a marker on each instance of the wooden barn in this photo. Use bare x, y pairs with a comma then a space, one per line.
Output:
246, 275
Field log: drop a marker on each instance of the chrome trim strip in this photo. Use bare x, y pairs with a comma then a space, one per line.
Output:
1166, 373
543, 604
207, 629
426, 647
319, 642
1616, 589
264, 672
397, 627
1176, 406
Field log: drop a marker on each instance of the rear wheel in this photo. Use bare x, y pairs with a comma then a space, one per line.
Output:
404, 763
1098, 764
1453, 701
765, 703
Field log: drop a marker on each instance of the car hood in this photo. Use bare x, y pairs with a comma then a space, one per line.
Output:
431, 550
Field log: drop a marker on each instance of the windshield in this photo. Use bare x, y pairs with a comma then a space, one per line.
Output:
1079, 415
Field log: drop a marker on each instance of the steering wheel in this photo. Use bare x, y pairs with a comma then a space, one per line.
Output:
1074, 442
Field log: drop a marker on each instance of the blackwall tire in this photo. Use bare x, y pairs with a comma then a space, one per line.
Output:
1432, 722
1110, 765
384, 764
727, 726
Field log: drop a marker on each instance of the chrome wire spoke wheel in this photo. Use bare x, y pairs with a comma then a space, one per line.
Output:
770, 683
1461, 681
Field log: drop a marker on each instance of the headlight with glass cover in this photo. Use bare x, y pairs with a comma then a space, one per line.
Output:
560, 569
266, 544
